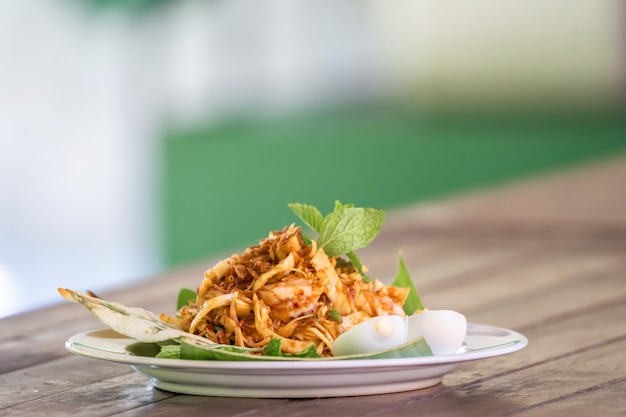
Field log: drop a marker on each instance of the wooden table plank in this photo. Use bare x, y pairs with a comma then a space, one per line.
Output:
512, 360
193, 406
549, 381
52, 377
581, 288
574, 333
510, 257
607, 400
101, 398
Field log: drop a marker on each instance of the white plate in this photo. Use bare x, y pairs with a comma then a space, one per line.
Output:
297, 379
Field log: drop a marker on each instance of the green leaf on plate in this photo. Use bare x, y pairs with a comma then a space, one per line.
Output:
184, 296
217, 352
189, 350
272, 349
169, 352
403, 280
148, 350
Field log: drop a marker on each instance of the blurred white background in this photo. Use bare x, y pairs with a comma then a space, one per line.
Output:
86, 90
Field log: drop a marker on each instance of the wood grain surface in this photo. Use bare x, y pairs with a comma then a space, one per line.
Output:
546, 257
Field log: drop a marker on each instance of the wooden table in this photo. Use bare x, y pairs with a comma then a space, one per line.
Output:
546, 257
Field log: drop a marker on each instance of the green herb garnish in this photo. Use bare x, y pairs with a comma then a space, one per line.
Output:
335, 315
343, 231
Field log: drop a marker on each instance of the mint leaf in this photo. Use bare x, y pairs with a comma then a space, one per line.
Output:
403, 280
344, 230
356, 262
310, 215
349, 228
339, 206
184, 296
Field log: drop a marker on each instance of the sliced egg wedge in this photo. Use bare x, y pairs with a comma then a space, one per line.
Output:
443, 330
377, 333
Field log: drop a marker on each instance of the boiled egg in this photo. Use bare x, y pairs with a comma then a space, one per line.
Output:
443, 330
377, 333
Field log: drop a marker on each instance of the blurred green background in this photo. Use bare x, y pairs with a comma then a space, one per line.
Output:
226, 186
138, 135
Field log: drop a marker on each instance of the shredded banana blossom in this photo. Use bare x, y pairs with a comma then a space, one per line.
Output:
284, 289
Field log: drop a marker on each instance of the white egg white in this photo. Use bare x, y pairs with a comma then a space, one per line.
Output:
377, 333
443, 330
